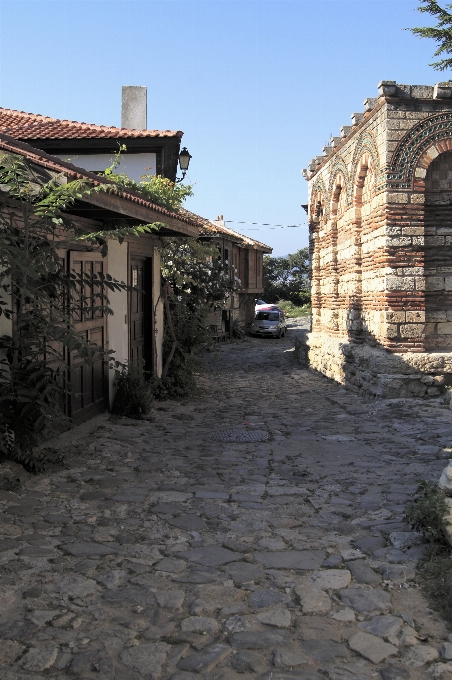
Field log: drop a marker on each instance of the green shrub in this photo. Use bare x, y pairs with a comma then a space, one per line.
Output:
425, 514
238, 331
292, 310
133, 393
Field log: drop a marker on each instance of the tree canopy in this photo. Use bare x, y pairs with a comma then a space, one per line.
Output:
287, 278
441, 33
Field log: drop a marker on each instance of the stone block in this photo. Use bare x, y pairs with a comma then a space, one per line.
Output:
420, 282
442, 91
39, 659
371, 647
382, 626
432, 152
417, 198
387, 88
313, 601
279, 618
445, 328
422, 91
399, 283
206, 659
290, 657
366, 600
146, 659
396, 197
399, 241
392, 330
267, 598
319, 628
395, 317
331, 579
393, 231
415, 316
412, 330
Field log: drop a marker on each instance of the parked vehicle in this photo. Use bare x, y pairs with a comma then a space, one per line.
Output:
269, 322
260, 304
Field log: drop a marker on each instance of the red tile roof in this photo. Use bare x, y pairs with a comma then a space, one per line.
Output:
209, 228
73, 172
23, 125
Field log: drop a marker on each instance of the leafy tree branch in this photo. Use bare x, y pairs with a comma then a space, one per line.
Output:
441, 33
38, 297
287, 278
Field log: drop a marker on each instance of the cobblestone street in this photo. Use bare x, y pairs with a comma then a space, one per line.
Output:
162, 553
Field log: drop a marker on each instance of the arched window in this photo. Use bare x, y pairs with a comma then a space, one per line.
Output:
437, 254
438, 181
339, 197
364, 189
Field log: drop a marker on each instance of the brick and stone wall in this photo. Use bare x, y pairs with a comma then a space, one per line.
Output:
380, 213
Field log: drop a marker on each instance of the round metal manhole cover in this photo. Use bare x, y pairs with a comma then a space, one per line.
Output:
240, 436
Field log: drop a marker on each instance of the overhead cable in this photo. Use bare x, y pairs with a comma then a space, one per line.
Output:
271, 226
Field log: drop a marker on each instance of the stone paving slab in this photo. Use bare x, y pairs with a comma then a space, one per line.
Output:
159, 553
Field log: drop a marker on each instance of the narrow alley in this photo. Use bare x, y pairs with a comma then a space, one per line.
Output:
168, 550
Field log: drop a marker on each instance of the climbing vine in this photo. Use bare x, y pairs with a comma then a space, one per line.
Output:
195, 282
37, 298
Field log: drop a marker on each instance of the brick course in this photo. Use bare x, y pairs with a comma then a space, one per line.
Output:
380, 214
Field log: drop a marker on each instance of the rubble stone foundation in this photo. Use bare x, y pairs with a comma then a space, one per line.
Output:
376, 371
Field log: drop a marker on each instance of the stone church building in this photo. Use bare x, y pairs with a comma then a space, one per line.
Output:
380, 216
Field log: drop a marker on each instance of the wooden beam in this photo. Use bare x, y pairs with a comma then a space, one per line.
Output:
140, 212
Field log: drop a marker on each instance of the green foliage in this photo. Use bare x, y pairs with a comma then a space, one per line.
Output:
425, 514
435, 571
155, 188
238, 330
133, 392
287, 278
292, 310
37, 296
441, 33
195, 282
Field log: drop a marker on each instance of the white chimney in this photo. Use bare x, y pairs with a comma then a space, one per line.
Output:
134, 107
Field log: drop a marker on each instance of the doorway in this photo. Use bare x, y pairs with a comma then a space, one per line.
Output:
140, 312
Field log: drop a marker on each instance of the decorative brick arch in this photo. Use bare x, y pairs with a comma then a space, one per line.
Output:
339, 168
319, 195
365, 147
364, 167
433, 134
426, 158
338, 185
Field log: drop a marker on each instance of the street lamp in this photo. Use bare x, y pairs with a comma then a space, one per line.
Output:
184, 162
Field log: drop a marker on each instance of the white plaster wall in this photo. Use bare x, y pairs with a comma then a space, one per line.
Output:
132, 164
118, 336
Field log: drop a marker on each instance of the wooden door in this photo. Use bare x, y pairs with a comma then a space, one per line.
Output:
140, 312
89, 381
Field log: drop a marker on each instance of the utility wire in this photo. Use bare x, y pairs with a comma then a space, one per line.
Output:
272, 226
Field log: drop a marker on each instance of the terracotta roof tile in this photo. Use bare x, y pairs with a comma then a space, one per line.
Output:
73, 172
209, 228
22, 125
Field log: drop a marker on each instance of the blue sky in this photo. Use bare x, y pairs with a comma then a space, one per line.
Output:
257, 86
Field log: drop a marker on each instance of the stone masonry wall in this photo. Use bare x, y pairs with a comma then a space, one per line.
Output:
380, 212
